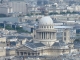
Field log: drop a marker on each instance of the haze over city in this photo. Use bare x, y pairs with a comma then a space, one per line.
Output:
39, 29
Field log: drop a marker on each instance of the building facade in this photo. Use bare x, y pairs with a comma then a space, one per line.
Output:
19, 7
45, 33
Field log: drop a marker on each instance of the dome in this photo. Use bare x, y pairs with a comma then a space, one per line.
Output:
46, 21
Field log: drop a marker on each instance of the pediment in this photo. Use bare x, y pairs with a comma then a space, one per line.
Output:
24, 48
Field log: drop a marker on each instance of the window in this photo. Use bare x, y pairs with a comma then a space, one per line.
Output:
44, 26
25, 53
28, 54
33, 54
64, 38
17, 53
21, 53
64, 33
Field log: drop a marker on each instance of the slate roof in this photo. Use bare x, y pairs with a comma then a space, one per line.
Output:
39, 44
13, 43
34, 45
57, 44
31, 45
77, 45
62, 43
20, 37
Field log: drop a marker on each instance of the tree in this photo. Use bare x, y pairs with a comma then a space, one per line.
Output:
8, 27
3, 15
20, 30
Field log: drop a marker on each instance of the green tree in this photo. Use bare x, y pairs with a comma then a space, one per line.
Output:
21, 30
8, 27
3, 15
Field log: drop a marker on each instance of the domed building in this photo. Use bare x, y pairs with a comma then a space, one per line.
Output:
46, 35
44, 42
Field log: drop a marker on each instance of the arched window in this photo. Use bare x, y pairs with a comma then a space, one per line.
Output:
44, 26
17, 53
21, 53
28, 54
32, 54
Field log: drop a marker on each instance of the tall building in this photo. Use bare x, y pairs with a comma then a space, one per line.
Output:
5, 9
18, 6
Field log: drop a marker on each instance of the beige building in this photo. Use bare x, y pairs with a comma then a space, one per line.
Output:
46, 34
44, 42
4, 48
2, 52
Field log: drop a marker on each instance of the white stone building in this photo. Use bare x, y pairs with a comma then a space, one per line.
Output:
46, 33
44, 42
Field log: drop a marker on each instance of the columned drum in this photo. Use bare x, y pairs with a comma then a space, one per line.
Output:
46, 33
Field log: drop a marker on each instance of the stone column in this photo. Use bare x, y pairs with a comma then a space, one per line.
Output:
30, 53
55, 35
36, 35
34, 54
43, 34
19, 53
40, 35
47, 35
52, 35
26, 53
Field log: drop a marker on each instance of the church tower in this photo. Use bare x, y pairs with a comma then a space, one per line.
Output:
66, 36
